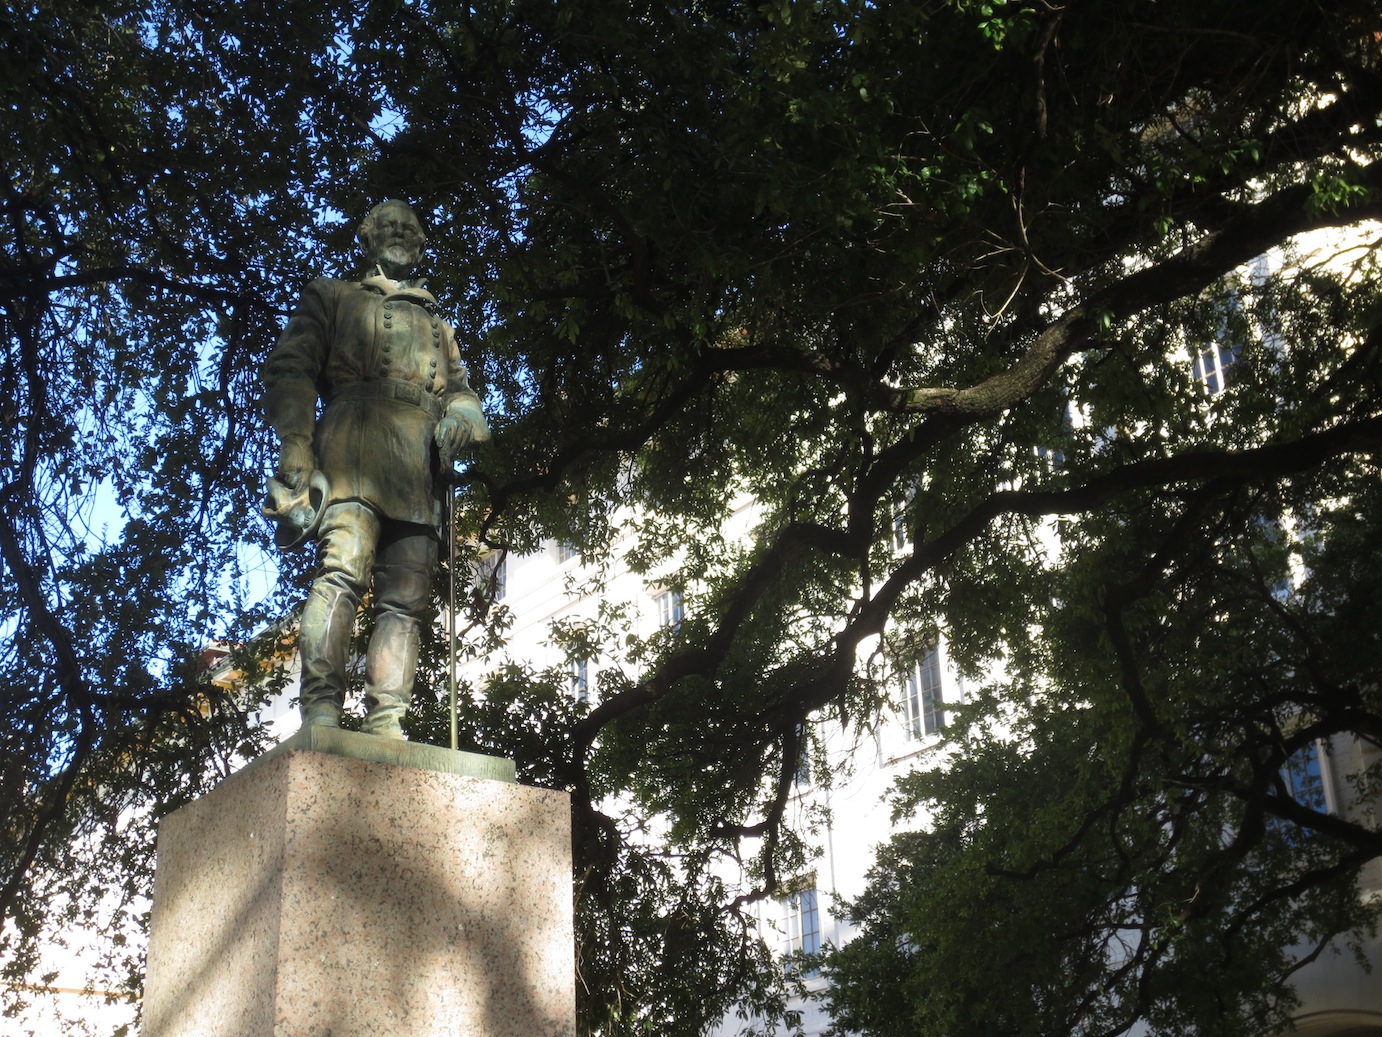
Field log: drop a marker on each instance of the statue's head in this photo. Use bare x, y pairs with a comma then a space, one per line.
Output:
392, 237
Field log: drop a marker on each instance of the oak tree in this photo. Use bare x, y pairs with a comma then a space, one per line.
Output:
957, 271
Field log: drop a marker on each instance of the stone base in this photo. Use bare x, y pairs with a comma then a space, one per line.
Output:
317, 895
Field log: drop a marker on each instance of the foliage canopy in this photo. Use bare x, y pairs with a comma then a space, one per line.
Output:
863, 261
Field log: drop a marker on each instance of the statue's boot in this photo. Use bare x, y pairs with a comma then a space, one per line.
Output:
390, 666
328, 621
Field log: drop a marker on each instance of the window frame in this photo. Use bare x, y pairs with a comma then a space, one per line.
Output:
579, 672
923, 696
671, 609
801, 934
493, 572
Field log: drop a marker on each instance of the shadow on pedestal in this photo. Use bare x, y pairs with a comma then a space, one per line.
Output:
344, 885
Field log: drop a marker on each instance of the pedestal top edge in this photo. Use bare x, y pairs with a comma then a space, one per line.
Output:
356, 746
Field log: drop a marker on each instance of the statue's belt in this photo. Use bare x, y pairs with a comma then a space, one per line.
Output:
390, 389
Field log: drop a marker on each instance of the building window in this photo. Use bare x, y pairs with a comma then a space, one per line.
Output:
1304, 777
1212, 365
566, 551
901, 513
802, 777
1052, 456
923, 704
494, 575
901, 538
669, 610
801, 933
580, 679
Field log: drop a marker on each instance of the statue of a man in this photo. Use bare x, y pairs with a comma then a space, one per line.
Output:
366, 477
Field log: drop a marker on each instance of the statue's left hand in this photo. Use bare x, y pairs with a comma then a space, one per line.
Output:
453, 435
295, 462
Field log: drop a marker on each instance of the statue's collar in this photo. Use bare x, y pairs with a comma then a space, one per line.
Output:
413, 290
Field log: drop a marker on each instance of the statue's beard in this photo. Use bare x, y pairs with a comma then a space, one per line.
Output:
398, 256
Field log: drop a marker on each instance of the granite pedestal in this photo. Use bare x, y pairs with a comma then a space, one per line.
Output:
315, 894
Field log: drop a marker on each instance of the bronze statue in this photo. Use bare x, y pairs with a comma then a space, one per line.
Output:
366, 479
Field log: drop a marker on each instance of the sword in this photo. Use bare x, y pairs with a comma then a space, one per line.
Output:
452, 480
451, 612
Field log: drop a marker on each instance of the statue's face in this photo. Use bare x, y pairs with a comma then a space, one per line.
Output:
395, 238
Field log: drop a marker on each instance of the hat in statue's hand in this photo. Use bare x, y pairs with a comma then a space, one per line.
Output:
295, 513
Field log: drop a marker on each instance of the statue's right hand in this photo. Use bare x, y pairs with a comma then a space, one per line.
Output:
295, 462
